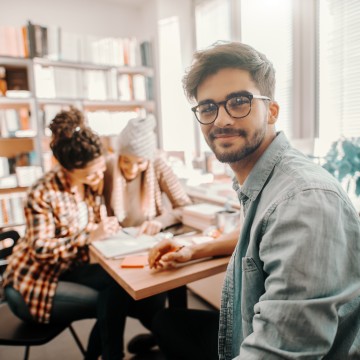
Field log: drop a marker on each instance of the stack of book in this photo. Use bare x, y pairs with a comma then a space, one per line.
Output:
200, 216
16, 123
12, 209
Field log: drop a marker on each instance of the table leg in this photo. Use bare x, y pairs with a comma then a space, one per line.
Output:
178, 297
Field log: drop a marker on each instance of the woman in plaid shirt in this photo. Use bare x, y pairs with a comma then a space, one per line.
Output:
49, 278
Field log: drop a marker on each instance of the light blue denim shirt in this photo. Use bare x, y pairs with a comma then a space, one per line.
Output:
292, 288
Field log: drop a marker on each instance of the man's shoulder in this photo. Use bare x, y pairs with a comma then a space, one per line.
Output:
301, 173
298, 178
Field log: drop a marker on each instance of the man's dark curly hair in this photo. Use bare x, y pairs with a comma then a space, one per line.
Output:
73, 144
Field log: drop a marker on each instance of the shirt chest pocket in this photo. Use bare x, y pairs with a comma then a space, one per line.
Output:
252, 287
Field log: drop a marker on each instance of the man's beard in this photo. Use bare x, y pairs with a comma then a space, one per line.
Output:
251, 145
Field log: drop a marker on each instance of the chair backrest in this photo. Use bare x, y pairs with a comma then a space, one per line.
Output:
8, 240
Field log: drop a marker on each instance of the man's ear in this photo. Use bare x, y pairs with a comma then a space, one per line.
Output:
273, 112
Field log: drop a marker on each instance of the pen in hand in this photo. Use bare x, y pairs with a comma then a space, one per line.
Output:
179, 248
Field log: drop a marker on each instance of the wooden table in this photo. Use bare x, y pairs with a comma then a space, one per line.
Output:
144, 282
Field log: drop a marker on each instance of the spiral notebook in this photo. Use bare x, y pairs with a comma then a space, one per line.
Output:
124, 243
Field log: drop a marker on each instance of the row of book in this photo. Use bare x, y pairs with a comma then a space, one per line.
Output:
8, 165
12, 209
16, 122
13, 79
34, 40
24, 176
56, 82
109, 123
104, 122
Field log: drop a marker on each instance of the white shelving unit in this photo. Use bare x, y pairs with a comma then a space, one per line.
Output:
40, 98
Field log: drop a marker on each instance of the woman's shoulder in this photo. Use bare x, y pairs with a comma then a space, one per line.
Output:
160, 163
47, 179
49, 183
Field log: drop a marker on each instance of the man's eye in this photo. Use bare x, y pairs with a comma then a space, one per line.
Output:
238, 101
207, 108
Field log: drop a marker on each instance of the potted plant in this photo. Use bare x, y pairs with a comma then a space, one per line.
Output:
343, 161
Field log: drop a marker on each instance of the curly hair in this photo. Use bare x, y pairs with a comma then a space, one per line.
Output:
235, 55
73, 144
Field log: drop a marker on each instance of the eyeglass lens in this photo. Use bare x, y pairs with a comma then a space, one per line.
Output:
237, 107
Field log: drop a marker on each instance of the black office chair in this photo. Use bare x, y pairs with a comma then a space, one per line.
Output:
14, 331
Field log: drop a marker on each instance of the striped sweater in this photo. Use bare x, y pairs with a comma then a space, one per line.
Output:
158, 179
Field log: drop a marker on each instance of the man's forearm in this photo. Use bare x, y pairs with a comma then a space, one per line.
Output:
223, 245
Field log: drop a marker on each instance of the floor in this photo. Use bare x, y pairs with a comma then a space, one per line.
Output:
64, 347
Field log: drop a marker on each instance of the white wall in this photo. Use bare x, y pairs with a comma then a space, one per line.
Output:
88, 17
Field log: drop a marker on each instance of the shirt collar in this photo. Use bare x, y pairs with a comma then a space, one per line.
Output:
262, 169
62, 178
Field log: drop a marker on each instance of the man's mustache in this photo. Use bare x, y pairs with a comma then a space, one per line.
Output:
226, 131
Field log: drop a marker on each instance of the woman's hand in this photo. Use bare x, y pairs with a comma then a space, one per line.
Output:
151, 227
107, 227
167, 253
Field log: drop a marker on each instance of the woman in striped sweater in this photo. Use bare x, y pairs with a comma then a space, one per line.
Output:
138, 185
142, 191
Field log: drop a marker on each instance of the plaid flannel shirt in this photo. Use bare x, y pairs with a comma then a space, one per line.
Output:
53, 242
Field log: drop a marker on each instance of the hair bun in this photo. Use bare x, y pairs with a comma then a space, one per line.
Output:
66, 123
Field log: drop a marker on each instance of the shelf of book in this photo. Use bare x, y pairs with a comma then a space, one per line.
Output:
18, 189
111, 80
145, 70
15, 61
12, 209
12, 146
92, 105
15, 103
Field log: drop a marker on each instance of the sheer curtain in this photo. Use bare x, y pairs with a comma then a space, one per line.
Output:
267, 26
212, 23
272, 35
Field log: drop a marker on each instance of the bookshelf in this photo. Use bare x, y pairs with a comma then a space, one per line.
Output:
32, 90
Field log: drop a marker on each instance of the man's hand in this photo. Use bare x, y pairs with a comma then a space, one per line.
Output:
167, 253
151, 227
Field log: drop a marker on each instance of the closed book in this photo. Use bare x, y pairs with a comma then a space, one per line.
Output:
31, 39
4, 166
139, 87
12, 121
200, 216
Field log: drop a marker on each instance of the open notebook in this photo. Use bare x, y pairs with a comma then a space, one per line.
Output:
122, 244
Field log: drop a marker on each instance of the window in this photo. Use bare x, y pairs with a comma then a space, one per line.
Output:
339, 69
258, 29
272, 35
212, 19
212, 22
174, 106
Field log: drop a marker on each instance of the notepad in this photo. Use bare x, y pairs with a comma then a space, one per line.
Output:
122, 244
134, 261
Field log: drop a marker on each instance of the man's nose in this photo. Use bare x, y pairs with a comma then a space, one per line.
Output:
223, 119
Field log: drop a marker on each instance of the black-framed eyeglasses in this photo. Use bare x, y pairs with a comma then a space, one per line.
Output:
237, 106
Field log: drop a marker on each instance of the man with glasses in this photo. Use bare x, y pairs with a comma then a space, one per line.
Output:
292, 287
